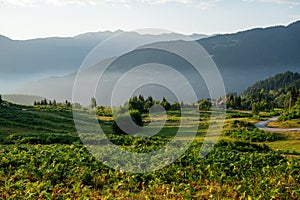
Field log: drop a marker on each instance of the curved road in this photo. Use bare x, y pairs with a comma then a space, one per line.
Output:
263, 125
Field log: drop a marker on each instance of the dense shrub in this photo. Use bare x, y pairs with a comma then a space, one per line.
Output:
237, 115
294, 113
246, 131
128, 123
40, 139
232, 170
253, 135
237, 124
104, 111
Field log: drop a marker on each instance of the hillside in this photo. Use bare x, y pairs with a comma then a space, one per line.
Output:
279, 82
249, 56
22, 99
279, 91
261, 47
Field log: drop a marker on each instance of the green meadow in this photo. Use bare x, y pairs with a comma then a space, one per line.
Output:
42, 157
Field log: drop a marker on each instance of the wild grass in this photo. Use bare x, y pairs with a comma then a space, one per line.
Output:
41, 157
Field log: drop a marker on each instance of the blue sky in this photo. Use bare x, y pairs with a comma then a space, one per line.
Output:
24, 19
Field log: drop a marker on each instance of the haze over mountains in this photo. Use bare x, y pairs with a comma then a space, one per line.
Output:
247, 57
243, 58
26, 60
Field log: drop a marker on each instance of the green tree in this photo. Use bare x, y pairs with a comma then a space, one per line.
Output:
148, 103
104, 111
255, 108
1, 99
205, 105
175, 106
294, 93
128, 123
166, 104
44, 102
93, 103
237, 102
230, 100
136, 103
68, 104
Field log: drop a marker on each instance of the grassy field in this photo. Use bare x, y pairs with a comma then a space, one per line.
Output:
293, 123
41, 157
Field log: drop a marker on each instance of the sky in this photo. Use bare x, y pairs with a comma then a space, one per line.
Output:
26, 19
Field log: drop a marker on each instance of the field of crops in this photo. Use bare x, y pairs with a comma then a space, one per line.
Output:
41, 157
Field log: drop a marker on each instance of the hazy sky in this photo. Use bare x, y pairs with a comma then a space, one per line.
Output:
23, 19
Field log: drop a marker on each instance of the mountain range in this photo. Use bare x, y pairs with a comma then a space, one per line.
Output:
22, 61
249, 56
243, 58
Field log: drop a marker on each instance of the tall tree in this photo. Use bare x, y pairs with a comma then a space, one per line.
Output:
166, 104
54, 102
255, 108
93, 104
149, 102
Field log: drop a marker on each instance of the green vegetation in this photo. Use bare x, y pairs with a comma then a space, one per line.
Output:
205, 105
280, 91
93, 104
41, 157
279, 83
255, 135
293, 123
255, 109
245, 131
234, 114
104, 111
293, 113
129, 122
231, 170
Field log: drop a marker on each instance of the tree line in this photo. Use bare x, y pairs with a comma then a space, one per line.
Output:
45, 102
280, 91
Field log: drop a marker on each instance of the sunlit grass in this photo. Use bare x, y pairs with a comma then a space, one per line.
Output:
293, 123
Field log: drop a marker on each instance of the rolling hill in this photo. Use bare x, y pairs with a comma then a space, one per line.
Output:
22, 98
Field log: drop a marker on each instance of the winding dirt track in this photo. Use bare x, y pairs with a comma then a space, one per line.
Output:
263, 125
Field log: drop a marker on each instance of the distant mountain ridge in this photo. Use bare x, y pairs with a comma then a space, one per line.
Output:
243, 58
249, 56
27, 60
273, 46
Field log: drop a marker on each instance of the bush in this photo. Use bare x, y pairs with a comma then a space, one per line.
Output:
104, 111
294, 113
230, 115
128, 123
243, 146
205, 105
41, 138
236, 124
253, 135
255, 108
